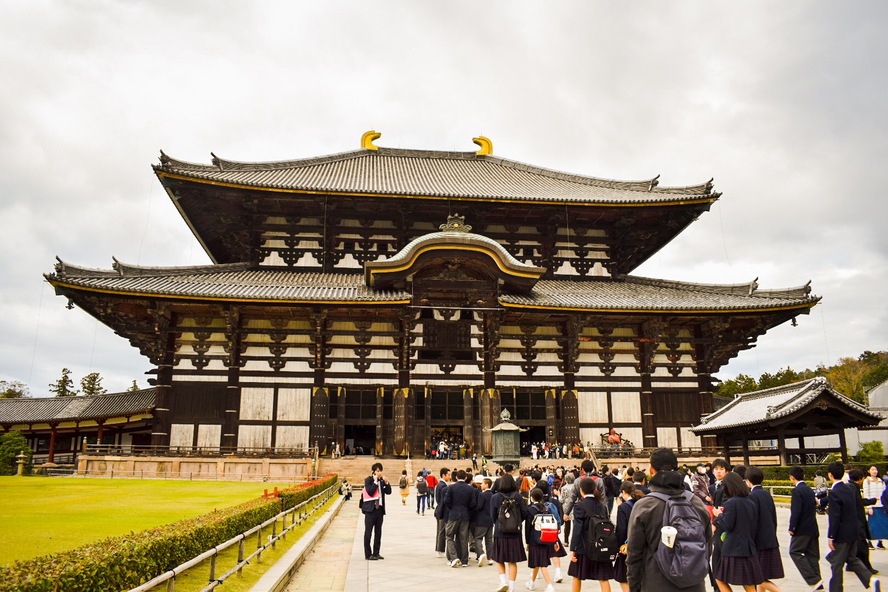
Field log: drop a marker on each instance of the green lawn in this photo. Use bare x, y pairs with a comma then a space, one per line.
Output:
41, 515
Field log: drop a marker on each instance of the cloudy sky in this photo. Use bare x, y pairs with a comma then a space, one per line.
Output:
783, 103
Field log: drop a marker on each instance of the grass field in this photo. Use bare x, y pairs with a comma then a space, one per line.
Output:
41, 515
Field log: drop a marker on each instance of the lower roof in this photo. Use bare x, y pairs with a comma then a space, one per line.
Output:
240, 283
28, 410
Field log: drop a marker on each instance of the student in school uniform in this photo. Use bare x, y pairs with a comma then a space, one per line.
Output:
539, 554
628, 495
581, 566
766, 543
507, 551
739, 521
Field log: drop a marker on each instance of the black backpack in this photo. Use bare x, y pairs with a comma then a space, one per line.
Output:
509, 516
402, 484
422, 486
600, 537
687, 562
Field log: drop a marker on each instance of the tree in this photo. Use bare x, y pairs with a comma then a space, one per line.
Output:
91, 385
13, 390
64, 386
133, 387
781, 377
847, 378
871, 452
11, 444
736, 386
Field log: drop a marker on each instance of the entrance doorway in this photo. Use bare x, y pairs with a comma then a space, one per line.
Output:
534, 435
360, 439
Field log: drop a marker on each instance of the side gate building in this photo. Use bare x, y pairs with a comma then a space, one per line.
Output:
385, 298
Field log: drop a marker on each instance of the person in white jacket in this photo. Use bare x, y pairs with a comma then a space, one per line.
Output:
873, 486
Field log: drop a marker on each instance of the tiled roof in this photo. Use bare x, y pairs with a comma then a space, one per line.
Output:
397, 172
50, 409
235, 282
637, 293
774, 403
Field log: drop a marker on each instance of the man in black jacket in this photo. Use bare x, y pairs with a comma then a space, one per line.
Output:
843, 533
804, 547
458, 503
376, 487
440, 513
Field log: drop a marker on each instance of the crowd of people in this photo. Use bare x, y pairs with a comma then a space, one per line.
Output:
675, 529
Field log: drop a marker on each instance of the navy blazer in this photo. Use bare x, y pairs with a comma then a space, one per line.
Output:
440, 510
740, 522
459, 501
842, 510
766, 533
802, 512
482, 508
622, 528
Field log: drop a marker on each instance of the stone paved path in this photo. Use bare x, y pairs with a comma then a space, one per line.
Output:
338, 563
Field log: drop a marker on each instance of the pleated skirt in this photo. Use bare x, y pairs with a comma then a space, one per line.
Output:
620, 568
538, 556
585, 569
508, 550
771, 564
743, 571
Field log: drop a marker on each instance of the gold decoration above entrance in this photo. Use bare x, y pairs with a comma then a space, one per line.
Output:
453, 250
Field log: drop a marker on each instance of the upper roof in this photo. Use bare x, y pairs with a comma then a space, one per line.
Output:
412, 173
30, 410
237, 282
777, 403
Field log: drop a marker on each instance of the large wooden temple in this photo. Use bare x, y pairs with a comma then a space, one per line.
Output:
385, 298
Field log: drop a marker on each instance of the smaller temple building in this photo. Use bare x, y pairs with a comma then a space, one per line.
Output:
790, 421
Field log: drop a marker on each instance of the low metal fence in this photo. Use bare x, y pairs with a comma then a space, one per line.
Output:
298, 514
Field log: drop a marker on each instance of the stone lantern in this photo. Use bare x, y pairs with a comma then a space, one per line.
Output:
21, 459
506, 441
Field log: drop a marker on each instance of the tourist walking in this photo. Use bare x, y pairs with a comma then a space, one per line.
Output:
508, 551
538, 553
628, 496
422, 493
873, 487
376, 487
855, 481
738, 519
404, 486
440, 514
804, 546
843, 533
482, 523
582, 566
646, 522
766, 544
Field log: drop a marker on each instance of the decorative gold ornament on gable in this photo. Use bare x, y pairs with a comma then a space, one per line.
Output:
455, 223
367, 140
486, 146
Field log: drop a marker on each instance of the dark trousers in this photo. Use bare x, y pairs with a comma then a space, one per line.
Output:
440, 538
846, 553
483, 537
421, 499
373, 526
863, 553
805, 553
457, 532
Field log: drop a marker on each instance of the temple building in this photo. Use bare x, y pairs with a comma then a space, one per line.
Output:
386, 298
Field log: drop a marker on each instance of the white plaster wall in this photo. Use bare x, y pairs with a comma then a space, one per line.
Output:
294, 404
626, 407
256, 403
291, 437
181, 435
689, 439
209, 436
592, 407
254, 436
667, 438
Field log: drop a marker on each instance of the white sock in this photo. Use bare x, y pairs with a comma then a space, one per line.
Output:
511, 585
502, 579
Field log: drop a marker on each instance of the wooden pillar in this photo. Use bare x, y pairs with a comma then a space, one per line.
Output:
160, 429
52, 442
781, 446
745, 450
468, 415
843, 444
489, 407
727, 449
551, 416
403, 405
570, 416
380, 443
646, 399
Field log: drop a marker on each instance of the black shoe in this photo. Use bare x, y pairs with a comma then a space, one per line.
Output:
372, 558
375, 557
